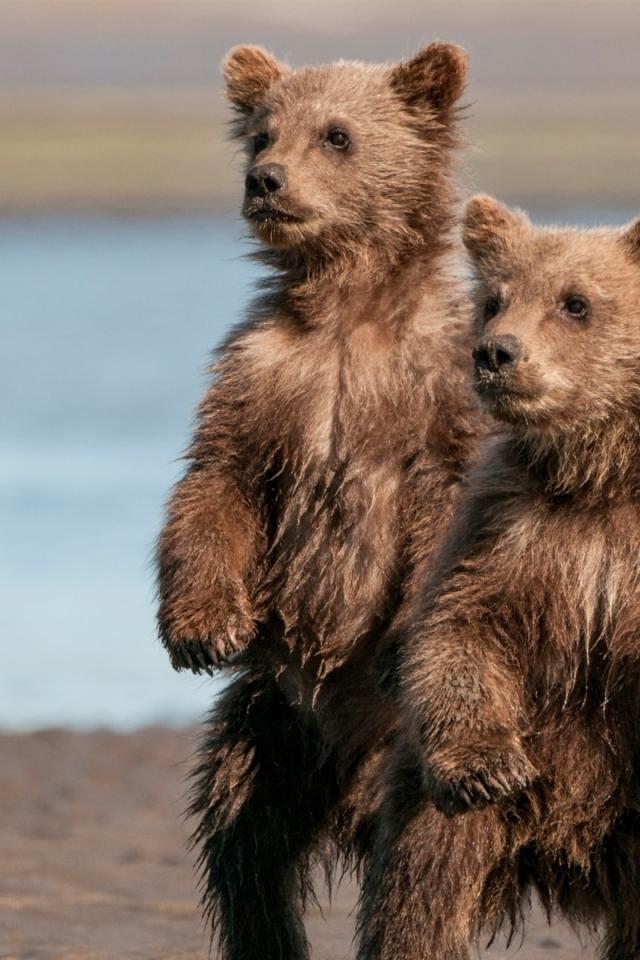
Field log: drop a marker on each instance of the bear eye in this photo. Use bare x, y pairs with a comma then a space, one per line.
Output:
491, 308
577, 307
338, 138
261, 142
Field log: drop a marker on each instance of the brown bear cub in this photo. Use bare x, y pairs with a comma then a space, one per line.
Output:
326, 457
520, 661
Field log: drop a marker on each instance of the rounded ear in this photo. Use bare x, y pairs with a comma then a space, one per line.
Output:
486, 225
631, 239
436, 76
249, 72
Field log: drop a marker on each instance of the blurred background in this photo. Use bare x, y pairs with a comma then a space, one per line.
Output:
122, 263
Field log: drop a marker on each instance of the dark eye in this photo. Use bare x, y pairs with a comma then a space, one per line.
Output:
261, 142
339, 139
577, 307
491, 308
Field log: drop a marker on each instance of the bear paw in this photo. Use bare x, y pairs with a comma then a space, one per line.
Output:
482, 778
211, 650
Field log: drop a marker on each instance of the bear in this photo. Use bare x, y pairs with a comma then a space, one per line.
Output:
326, 458
516, 765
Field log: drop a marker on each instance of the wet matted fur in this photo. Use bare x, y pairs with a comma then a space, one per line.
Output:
325, 461
520, 660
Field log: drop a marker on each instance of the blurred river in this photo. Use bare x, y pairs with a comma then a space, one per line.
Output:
106, 331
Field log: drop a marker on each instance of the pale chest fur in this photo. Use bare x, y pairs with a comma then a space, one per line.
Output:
354, 412
339, 394
572, 578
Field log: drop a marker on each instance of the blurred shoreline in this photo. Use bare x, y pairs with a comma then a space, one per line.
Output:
165, 151
115, 105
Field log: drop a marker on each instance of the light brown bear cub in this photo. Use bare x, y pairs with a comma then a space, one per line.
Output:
325, 461
521, 659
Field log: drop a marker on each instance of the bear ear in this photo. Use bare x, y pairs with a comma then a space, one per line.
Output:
486, 225
249, 72
631, 239
436, 76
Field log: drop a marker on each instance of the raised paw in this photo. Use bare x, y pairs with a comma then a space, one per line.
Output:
486, 777
194, 655
214, 650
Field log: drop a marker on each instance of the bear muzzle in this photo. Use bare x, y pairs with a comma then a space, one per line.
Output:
497, 354
265, 180
495, 363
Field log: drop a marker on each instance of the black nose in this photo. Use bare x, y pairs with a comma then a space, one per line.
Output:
495, 353
269, 178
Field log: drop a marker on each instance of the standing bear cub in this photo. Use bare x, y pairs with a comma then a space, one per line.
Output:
520, 676
325, 461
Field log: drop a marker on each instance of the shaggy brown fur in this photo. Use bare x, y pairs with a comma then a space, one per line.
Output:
521, 660
325, 460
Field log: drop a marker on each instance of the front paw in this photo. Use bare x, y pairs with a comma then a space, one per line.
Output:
204, 648
468, 778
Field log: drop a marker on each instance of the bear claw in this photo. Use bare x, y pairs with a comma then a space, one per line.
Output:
491, 780
209, 654
192, 655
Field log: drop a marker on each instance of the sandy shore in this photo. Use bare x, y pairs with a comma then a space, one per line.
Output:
93, 861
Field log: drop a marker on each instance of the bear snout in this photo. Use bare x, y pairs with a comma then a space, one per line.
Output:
497, 354
266, 180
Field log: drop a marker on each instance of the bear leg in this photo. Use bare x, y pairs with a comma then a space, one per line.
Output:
423, 890
263, 794
615, 889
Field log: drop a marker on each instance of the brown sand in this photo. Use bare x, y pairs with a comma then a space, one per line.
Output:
93, 861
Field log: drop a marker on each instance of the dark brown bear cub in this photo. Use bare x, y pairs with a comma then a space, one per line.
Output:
521, 658
325, 461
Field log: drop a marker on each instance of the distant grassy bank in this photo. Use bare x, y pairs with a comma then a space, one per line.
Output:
558, 147
166, 150
107, 150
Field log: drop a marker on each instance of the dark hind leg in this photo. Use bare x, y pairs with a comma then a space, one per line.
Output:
425, 886
263, 796
615, 889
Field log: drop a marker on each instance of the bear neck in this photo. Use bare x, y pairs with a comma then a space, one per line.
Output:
597, 467
318, 284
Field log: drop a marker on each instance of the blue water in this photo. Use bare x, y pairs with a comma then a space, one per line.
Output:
106, 330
